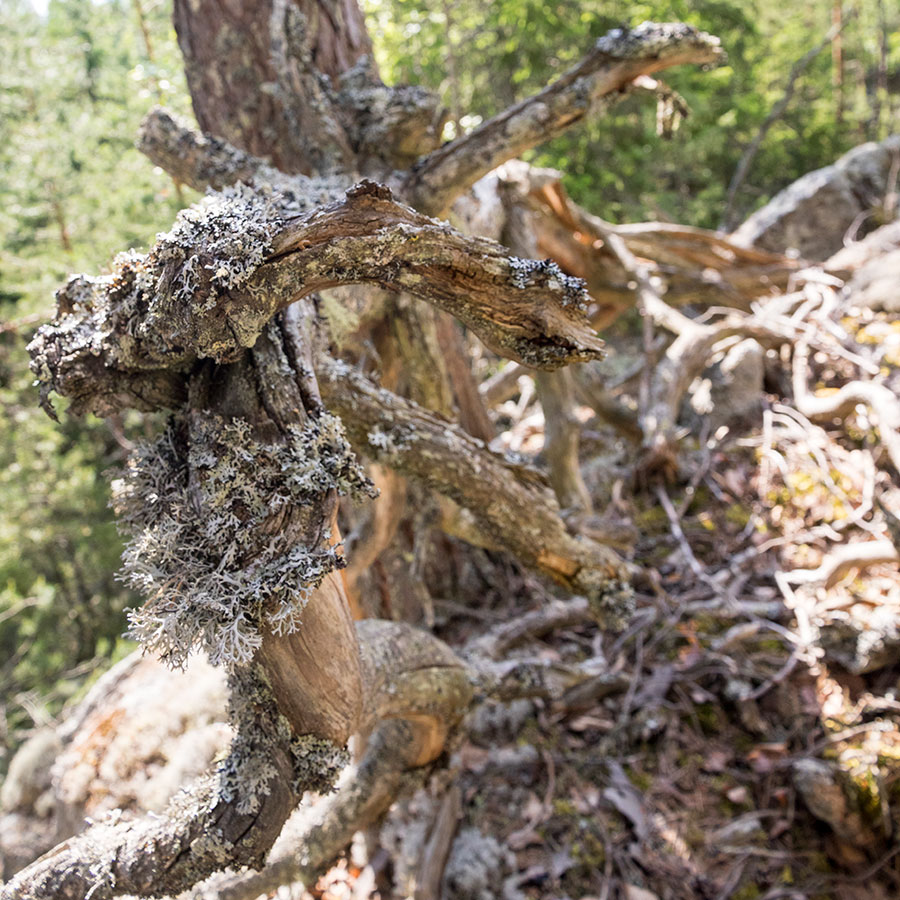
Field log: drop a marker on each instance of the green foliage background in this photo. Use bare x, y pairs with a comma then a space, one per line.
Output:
617, 165
74, 84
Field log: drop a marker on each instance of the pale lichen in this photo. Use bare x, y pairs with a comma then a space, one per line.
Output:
526, 273
317, 763
611, 599
261, 733
203, 552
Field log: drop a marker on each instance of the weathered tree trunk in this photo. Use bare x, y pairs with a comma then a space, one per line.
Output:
253, 73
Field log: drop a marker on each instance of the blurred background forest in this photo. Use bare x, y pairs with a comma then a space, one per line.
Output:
75, 80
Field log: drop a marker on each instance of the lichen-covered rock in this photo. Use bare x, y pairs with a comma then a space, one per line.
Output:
812, 215
28, 778
155, 732
477, 867
27, 826
137, 738
829, 796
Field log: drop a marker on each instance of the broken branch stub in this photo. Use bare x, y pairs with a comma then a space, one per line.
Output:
209, 287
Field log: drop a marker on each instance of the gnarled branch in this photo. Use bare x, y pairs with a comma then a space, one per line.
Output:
209, 287
603, 76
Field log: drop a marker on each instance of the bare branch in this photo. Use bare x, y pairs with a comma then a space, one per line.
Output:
558, 614
839, 562
510, 505
879, 398
603, 76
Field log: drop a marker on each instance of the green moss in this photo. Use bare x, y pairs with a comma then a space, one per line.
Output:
709, 717
564, 807
590, 851
652, 521
738, 514
641, 780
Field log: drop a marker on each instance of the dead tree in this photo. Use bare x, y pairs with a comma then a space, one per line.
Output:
231, 510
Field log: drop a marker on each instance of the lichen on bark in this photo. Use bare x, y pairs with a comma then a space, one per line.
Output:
200, 503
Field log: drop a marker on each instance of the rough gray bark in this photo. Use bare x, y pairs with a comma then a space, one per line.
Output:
232, 49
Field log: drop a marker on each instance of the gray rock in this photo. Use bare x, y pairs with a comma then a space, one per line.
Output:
825, 790
860, 638
476, 868
812, 215
730, 391
876, 285
871, 268
29, 775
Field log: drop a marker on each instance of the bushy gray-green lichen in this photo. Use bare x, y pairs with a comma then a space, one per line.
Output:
199, 550
317, 763
244, 775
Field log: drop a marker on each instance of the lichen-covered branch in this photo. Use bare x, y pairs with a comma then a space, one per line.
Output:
606, 72
314, 838
210, 286
416, 693
510, 505
230, 817
698, 265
